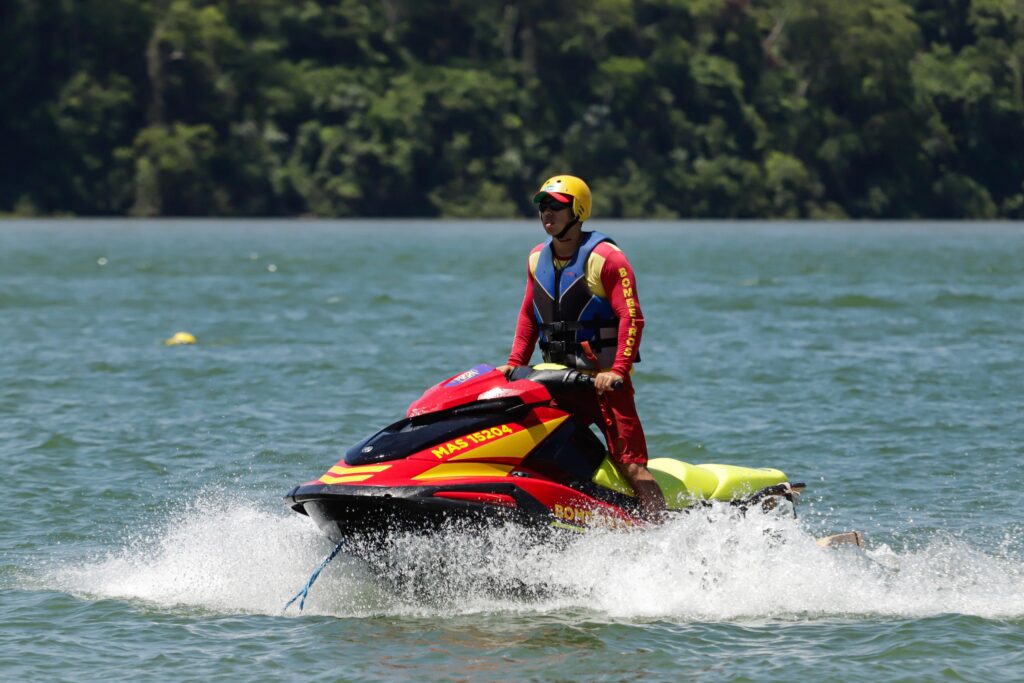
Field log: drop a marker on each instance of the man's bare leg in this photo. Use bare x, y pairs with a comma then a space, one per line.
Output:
648, 493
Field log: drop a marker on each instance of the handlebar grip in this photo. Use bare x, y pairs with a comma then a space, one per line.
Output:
583, 378
566, 378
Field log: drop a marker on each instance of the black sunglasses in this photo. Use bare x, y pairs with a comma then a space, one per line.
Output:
552, 204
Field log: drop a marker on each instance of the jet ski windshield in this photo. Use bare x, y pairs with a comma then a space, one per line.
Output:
412, 434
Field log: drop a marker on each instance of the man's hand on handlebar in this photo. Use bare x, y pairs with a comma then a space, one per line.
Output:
602, 381
506, 369
607, 381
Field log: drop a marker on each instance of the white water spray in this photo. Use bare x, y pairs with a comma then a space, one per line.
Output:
239, 556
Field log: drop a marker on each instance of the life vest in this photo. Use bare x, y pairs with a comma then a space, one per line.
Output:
568, 313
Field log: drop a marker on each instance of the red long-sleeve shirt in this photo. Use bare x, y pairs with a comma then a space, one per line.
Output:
610, 276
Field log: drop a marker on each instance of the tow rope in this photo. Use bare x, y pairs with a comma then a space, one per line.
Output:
304, 591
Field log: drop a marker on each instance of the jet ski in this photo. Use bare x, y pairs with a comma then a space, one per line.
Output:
479, 448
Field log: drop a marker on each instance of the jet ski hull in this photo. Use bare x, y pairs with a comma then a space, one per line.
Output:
341, 511
480, 448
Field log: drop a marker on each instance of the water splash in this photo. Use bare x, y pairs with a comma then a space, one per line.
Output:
237, 555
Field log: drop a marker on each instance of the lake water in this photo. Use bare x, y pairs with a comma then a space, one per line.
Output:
143, 533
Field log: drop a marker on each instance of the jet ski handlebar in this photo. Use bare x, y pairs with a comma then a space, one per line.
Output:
563, 378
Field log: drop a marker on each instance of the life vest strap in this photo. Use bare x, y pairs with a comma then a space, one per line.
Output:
551, 344
577, 325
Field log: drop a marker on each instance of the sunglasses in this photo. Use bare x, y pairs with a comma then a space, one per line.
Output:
551, 204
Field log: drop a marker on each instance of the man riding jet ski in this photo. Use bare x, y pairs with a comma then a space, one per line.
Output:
582, 307
480, 447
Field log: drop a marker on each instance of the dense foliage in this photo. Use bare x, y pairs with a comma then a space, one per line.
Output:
689, 108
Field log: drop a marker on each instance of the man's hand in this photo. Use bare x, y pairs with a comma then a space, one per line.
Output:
506, 369
603, 381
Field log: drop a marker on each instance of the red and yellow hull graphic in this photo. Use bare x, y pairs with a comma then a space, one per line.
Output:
491, 452
342, 474
508, 443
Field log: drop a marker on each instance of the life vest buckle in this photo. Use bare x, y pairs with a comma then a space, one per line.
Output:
555, 347
562, 326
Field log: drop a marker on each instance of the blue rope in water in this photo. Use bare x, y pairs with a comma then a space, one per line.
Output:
305, 589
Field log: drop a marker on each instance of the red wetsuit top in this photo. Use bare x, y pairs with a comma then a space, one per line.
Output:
610, 276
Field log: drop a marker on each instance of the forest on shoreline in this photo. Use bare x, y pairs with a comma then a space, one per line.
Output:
668, 108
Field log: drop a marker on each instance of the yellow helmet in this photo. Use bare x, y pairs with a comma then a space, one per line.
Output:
566, 187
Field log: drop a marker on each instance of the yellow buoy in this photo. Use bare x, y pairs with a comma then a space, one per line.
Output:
180, 338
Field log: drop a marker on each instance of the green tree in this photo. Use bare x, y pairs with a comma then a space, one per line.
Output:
711, 108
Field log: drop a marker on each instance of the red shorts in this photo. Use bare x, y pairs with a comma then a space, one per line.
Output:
626, 442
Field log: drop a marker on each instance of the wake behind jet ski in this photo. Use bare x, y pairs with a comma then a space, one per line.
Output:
480, 447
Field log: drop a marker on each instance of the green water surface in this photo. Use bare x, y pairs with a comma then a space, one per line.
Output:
143, 535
